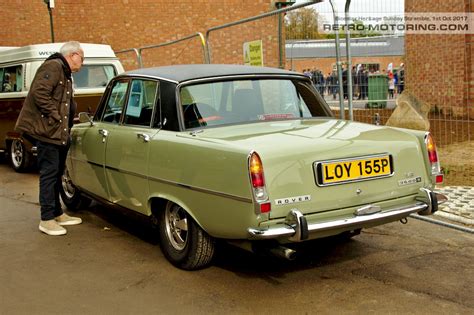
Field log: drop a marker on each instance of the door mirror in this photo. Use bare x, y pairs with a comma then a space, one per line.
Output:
84, 117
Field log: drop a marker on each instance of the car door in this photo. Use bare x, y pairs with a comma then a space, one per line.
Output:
127, 150
92, 141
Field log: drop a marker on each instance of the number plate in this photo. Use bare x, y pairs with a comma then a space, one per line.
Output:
352, 170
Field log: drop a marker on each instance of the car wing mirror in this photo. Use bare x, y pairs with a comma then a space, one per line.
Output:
84, 117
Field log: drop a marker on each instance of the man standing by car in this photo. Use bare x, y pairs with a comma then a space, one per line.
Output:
46, 118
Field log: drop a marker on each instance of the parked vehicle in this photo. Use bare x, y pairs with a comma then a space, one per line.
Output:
18, 66
251, 155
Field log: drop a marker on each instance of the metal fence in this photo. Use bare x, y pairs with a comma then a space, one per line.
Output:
221, 44
381, 68
185, 50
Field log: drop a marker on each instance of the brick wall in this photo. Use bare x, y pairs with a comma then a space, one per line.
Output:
130, 23
439, 68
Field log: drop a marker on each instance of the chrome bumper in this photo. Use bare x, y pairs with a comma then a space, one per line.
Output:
295, 227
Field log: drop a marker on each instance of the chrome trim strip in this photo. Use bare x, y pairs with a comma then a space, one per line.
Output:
146, 76
89, 162
246, 76
203, 190
317, 163
285, 230
164, 181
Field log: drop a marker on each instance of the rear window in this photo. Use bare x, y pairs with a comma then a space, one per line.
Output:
93, 76
242, 101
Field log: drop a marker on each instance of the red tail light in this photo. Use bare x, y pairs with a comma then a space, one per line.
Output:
258, 183
431, 147
256, 171
433, 158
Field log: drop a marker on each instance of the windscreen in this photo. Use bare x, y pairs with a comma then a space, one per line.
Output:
243, 101
93, 76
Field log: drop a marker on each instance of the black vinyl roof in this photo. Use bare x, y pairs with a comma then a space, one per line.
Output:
181, 73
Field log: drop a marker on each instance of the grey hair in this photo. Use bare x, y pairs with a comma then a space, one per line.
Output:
70, 47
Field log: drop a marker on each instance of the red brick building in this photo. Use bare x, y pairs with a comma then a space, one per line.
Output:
439, 67
129, 24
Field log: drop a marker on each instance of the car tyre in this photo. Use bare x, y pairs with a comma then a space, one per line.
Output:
182, 240
71, 196
19, 157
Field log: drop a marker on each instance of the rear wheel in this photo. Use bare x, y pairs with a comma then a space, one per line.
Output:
183, 242
19, 156
71, 195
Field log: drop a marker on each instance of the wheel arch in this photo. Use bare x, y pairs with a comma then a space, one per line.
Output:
158, 204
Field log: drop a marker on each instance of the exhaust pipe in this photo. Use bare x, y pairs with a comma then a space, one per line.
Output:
283, 252
265, 248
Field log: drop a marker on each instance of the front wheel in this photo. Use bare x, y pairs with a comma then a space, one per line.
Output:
71, 195
19, 156
183, 242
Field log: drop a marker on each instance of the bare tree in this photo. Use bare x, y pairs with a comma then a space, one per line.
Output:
302, 24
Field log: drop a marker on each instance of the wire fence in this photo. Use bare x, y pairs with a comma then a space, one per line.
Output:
434, 71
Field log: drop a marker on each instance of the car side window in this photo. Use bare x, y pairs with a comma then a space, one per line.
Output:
141, 101
116, 101
11, 79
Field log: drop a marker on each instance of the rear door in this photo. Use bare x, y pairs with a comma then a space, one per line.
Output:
127, 151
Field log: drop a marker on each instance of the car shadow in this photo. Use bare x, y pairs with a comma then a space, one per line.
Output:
127, 221
315, 254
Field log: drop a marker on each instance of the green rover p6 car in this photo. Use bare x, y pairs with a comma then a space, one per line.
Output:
250, 155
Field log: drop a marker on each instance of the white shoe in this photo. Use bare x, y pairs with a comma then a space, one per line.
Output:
64, 219
51, 227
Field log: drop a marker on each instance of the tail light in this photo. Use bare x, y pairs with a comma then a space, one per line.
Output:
433, 158
257, 179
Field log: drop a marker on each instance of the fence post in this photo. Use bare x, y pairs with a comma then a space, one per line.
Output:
338, 63
137, 53
349, 60
253, 18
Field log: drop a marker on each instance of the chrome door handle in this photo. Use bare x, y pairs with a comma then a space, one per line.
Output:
104, 134
143, 136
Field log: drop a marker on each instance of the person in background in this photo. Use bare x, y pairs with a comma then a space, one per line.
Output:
46, 118
7, 86
401, 78
345, 82
395, 80
365, 83
334, 84
307, 73
391, 84
328, 83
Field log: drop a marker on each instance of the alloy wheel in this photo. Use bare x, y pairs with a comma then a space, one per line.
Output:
176, 223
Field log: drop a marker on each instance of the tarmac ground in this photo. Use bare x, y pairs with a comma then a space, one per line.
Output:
112, 264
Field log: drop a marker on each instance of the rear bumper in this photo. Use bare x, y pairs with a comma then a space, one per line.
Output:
296, 228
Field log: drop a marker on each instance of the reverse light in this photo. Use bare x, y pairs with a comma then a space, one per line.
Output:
433, 158
257, 179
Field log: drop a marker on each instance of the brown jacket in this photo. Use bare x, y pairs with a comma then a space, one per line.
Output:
49, 108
